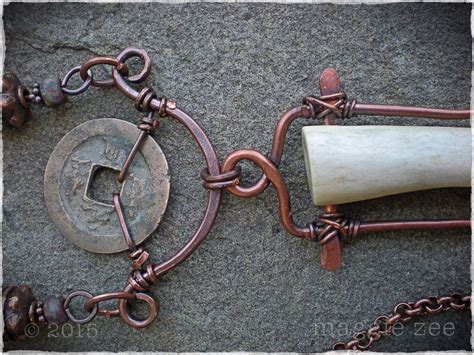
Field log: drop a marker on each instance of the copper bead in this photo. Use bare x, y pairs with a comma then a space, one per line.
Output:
15, 110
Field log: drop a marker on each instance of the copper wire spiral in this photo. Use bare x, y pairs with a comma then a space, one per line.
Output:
320, 107
332, 225
141, 280
223, 180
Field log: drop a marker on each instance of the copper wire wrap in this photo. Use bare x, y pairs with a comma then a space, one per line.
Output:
148, 124
146, 96
223, 180
142, 278
332, 225
321, 106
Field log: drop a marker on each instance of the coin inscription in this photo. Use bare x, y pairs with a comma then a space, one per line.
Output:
88, 222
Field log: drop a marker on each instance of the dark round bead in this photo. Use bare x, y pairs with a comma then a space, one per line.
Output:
16, 306
53, 310
51, 92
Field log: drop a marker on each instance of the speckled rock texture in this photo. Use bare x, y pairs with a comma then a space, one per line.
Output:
236, 68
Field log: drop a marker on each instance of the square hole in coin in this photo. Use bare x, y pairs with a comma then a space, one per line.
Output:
103, 184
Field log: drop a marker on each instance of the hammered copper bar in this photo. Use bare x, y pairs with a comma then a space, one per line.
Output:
91, 224
330, 84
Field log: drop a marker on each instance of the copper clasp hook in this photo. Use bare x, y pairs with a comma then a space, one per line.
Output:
132, 321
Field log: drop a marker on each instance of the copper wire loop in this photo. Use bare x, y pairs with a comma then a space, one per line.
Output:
220, 181
82, 88
24, 96
275, 177
121, 67
95, 300
129, 319
131, 52
71, 317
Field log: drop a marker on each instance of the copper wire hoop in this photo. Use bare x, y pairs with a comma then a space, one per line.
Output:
94, 301
130, 52
214, 196
84, 71
72, 318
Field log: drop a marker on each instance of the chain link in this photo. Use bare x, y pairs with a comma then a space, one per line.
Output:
118, 63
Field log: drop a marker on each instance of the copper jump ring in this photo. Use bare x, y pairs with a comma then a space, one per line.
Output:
129, 319
95, 300
121, 67
71, 317
130, 52
80, 89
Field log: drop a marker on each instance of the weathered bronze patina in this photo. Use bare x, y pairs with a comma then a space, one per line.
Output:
92, 224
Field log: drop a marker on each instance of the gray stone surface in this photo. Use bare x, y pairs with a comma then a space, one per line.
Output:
236, 68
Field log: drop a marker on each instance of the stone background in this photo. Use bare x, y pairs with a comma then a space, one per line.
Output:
235, 68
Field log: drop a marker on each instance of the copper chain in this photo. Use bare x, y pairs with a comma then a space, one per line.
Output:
403, 313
